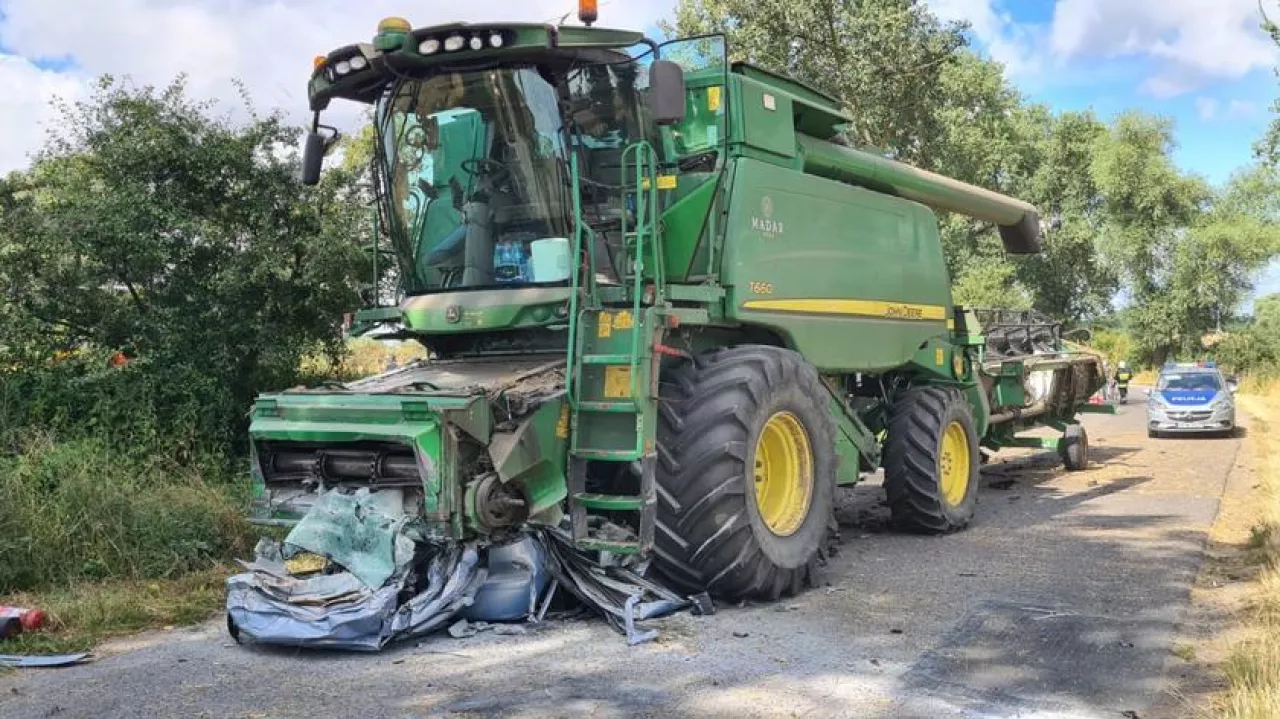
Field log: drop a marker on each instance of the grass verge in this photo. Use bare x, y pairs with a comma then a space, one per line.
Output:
85, 614
1253, 669
108, 544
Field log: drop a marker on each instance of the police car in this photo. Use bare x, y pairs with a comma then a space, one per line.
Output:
1191, 399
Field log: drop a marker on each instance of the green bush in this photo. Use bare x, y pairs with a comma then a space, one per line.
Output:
1115, 344
139, 409
78, 510
1250, 352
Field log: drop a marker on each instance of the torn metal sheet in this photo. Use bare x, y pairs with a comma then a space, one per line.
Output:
367, 533
356, 573
29, 661
517, 581
621, 594
339, 611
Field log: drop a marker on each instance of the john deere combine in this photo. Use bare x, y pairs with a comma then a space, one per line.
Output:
669, 311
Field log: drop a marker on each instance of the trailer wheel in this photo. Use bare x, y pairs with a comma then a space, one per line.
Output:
1074, 448
746, 473
931, 461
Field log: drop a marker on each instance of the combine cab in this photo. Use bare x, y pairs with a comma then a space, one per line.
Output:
670, 310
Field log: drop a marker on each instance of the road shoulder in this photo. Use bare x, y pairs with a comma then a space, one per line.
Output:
1221, 594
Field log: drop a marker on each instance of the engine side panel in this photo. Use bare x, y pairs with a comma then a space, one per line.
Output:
853, 279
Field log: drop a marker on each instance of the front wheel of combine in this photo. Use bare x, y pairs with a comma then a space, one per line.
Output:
746, 473
931, 461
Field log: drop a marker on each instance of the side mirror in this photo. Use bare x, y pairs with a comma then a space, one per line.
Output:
666, 92
313, 158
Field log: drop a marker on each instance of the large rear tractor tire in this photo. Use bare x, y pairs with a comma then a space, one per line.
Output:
746, 473
931, 461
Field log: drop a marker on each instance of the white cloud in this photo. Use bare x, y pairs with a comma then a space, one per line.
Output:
1206, 108
1193, 42
268, 44
1008, 42
1239, 109
25, 109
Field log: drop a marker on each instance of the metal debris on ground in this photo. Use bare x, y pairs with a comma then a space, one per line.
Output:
31, 661
621, 594
338, 611
341, 577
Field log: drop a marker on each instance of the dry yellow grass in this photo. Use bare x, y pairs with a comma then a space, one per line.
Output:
1253, 670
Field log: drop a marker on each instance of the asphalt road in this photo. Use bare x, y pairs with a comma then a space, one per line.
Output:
1063, 599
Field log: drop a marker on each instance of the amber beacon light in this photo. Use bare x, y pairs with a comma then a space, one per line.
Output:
588, 11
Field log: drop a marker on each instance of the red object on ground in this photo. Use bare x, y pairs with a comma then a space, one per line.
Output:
28, 619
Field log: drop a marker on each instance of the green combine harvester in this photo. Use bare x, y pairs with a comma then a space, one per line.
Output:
669, 311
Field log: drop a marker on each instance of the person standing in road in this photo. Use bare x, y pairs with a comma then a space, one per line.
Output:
1122, 377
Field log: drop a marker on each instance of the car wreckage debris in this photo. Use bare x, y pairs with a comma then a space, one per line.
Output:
317, 588
39, 661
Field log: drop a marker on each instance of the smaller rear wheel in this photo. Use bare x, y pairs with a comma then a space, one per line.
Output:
931, 461
1074, 448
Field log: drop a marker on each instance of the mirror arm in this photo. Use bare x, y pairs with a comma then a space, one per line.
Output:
334, 134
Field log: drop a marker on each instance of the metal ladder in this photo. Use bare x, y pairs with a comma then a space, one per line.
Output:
611, 372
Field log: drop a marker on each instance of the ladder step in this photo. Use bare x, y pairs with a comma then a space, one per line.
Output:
608, 455
624, 502
604, 545
618, 407
606, 359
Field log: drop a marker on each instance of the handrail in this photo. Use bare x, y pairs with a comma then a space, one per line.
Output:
642, 155
575, 286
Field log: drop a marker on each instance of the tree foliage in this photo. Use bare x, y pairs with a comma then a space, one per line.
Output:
151, 225
884, 58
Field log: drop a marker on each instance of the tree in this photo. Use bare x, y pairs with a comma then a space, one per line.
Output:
884, 59
151, 225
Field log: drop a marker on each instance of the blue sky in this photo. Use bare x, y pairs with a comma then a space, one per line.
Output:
1205, 64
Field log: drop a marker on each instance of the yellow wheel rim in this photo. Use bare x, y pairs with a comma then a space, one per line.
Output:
783, 474
953, 464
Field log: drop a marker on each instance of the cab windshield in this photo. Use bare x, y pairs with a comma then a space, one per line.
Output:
477, 189
1190, 382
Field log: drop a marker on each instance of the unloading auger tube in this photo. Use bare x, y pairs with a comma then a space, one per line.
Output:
1018, 221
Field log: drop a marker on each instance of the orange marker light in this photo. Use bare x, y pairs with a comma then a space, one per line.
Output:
588, 11
318, 63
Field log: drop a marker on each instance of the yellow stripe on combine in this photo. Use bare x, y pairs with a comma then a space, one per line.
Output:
861, 308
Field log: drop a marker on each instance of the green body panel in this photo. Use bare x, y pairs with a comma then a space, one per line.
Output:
485, 310
762, 118
852, 279
685, 229
533, 456
327, 419
1009, 390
